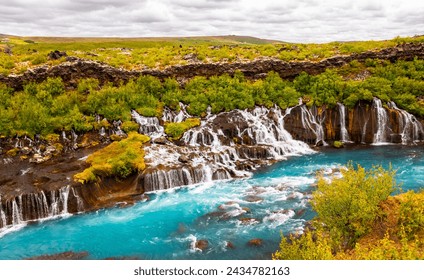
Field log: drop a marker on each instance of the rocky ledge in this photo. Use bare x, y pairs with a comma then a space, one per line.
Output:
75, 69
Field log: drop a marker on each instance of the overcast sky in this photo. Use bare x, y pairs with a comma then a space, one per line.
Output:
287, 20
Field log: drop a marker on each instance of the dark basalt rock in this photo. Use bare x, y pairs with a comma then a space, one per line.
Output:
56, 55
70, 72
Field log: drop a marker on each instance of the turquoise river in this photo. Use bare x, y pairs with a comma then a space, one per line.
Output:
227, 214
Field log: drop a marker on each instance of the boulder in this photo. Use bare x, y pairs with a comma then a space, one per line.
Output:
160, 141
54, 55
253, 198
184, 159
257, 242
248, 221
202, 244
230, 245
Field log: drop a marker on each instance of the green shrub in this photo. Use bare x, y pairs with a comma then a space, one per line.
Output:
338, 144
348, 206
411, 214
39, 59
311, 245
176, 130
129, 126
119, 159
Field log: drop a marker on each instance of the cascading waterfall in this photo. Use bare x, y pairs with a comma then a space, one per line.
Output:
148, 125
34, 206
380, 136
411, 130
344, 134
17, 212
314, 124
214, 155
2, 215
80, 203
171, 116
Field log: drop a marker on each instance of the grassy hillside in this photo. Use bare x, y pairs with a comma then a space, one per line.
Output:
17, 54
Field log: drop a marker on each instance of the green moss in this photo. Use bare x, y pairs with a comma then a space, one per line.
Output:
176, 130
119, 159
115, 137
129, 126
338, 144
52, 138
12, 152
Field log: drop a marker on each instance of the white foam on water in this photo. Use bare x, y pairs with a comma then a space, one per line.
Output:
277, 218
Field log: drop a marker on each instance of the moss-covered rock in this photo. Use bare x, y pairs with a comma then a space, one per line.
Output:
338, 144
119, 159
176, 130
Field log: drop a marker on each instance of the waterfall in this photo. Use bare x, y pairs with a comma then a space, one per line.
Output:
2, 215
102, 131
380, 135
156, 179
314, 124
411, 130
148, 125
227, 145
80, 203
344, 134
171, 116
33, 206
17, 212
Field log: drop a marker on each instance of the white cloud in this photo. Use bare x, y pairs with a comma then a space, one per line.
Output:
288, 20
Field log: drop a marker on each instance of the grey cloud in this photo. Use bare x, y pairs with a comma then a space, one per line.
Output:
299, 21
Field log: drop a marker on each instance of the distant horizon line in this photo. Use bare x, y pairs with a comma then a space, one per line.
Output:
228, 36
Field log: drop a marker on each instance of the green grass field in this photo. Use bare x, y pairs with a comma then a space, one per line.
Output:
24, 53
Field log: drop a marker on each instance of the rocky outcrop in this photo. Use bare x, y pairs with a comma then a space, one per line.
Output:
366, 123
76, 69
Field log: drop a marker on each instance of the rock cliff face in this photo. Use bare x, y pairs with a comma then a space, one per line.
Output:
366, 123
75, 69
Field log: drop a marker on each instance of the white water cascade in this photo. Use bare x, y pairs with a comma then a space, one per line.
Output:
171, 116
411, 130
380, 137
33, 206
344, 134
148, 125
2, 215
210, 153
314, 124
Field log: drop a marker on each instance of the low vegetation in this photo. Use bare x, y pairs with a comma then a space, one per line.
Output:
176, 130
119, 159
357, 219
24, 53
48, 107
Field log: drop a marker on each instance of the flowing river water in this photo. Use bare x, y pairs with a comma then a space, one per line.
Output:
228, 214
